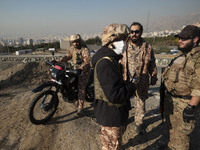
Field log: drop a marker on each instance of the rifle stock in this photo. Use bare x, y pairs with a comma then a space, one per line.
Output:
162, 96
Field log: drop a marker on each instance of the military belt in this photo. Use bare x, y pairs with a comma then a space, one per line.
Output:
180, 96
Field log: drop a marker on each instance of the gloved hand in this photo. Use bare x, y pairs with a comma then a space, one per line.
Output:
153, 80
79, 71
78, 61
189, 113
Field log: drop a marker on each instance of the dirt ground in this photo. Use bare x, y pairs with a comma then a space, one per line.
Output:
65, 131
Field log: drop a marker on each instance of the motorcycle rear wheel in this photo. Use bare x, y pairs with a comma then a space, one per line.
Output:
43, 107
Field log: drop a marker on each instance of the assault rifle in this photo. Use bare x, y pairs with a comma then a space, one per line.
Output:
162, 96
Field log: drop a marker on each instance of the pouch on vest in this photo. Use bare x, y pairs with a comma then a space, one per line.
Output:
77, 58
176, 78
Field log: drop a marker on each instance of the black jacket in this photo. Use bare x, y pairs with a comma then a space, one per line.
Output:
116, 91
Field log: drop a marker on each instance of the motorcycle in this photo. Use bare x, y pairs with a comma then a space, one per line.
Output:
64, 79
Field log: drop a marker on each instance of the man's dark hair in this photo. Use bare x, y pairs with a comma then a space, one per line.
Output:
138, 24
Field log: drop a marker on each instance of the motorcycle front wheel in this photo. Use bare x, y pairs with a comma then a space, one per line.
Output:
43, 107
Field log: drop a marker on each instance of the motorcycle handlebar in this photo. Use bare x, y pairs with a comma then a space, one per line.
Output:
51, 63
77, 71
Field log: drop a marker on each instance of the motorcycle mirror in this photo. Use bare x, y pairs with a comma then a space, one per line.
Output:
52, 50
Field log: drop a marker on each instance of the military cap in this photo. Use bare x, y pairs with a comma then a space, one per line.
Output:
188, 32
74, 37
114, 32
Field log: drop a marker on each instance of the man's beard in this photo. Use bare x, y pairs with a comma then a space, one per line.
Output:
78, 46
135, 41
186, 48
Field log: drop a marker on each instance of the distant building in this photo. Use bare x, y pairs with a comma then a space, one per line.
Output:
2, 43
20, 41
30, 42
23, 51
2, 48
65, 44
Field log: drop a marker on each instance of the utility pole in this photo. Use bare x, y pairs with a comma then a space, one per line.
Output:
148, 22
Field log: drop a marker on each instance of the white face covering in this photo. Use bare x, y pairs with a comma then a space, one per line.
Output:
119, 47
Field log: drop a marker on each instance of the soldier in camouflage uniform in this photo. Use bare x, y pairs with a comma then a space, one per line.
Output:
112, 94
182, 81
139, 65
80, 56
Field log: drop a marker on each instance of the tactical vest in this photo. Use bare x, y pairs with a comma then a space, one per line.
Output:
180, 73
99, 94
77, 56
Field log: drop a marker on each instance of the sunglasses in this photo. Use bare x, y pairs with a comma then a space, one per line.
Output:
136, 31
184, 39
76, 41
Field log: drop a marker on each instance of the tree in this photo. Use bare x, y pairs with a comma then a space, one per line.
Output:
161, 44
96, 40
55, 45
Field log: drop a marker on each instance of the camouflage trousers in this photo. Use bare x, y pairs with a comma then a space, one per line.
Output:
179, 130
111, 137
139, 109
82, 82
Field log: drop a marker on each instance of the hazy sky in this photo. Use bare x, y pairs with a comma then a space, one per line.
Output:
19, 17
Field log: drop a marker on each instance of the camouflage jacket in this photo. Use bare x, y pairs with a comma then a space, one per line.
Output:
143, 61
139, 63
82, 53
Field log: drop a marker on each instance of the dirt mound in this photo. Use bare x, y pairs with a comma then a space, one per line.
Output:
26, 74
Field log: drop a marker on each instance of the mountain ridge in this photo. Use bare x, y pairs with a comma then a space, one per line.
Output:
173, 22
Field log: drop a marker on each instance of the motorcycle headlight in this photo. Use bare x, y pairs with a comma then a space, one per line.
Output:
53, 75
57, 72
